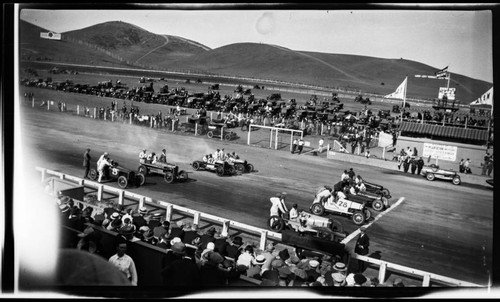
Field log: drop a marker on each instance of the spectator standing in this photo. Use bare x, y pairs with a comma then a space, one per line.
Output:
467, 167
294, 145
485, 163
278, 207
191, 235
86, 163
490, 167
301, 145
461, 166
362, 248
406, 164
413, 164
124, 262
420, 164
351, 173
139, 220
320, 144
177, 230
233, 250
102, 164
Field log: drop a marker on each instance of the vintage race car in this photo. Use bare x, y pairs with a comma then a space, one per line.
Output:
358, 212
311, 232
169, 171
377, 189
378, 201
432, 172
241, 165
220, 167
122, 175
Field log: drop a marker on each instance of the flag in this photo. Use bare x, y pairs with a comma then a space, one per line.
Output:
400, 93
443, 73
485, 99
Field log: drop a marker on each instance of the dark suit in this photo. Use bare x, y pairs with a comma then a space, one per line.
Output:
362, 248
86, 163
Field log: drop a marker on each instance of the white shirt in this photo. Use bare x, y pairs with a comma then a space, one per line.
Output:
276, 206
103, 162
294, 214
142, 156
246, 259
126, 265
341, 195
362, 187
344, 176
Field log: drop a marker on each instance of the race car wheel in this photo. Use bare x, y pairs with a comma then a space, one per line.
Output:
231, 170
430, 176
92, 174
227, 137
169, 177
275, 223
317, 209
386, 193
140, 179
199, 131
240, 168
122, 182
196, 166
368, 214
220, 171
143, 170
358, 218
183, 176
250, 168
378, 205
210, 134
456, 180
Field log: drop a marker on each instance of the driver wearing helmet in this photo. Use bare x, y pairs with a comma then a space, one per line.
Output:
324, 194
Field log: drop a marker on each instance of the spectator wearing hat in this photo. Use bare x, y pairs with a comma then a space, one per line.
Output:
90, 241
312, 271
207, 237
285, 275
162, 230
247, 258
233, 250
284, 254
149, 237
124, 262
139, 220
270, 278
192, 234
182, 271
220, 243
155, 220
87, 215
177, 230
163, 241
362, 248
211, 273
109, 209
86, 163
255, 271
398, 283
115, 222
75, 220
340, 267
127, 231
359, 280
139, 233
338, 279
300, 277
205, 253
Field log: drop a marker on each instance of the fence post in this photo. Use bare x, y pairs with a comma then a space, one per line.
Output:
225, 227
427, 280
130, 118
100, 191
222, 133
62, 176
195, 128
33, 102
48, 104
271, 139
151, 122
263, 238
142, 200
121, 196
95, 113
381, 273
105, 114
44, 172
276, 141
77, 109
168, 214
196, 218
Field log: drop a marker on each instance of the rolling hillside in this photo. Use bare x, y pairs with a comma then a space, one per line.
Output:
122, 44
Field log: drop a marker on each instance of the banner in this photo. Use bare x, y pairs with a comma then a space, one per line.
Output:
443, 73
384, 139
485, 99
400, 93
440, 151
450, 93
50, 35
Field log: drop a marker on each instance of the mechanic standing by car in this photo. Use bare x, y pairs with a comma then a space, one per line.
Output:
420, 164
362, 248
86, 162
102, 163
278, 205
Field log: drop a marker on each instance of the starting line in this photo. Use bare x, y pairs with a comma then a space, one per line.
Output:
355, 233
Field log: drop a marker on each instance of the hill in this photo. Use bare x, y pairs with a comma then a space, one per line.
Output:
122, 44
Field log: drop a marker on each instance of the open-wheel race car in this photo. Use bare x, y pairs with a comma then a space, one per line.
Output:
376, 200
377, 189
169, 171
358, 212
241, 165
217, 130
432, 172
123, 176
311, 232
221, 168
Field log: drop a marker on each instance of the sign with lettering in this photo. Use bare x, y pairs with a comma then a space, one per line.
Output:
440, 151
50, 35
450, 93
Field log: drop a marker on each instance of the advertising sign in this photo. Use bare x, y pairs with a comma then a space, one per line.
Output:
450, 93
440, 151
50, 36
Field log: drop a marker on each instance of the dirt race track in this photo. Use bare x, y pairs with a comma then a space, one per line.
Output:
437, 227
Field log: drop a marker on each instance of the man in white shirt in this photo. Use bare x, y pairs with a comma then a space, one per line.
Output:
102, 163
124, 263
278, 205
142, 156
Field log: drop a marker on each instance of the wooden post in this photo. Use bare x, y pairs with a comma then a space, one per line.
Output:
62, 176
263, 238
427, 280
381, 273
248, 136
142, 201
77, 109
33, 102
104, 114
276, 141
48, 104
130, 118
291, 142
271, 139
44, 172
225, 227
196, 218
121, 197
95, 113
168, 215
222, 133
195, 128
100, 191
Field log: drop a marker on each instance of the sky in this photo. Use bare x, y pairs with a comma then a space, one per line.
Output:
459, 39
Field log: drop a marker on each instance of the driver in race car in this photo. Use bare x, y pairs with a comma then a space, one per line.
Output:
361, 187
163, 156
102, 164
154, 158
142, 156
324, 194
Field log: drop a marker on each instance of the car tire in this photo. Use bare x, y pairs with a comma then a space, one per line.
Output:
210, 134
456, 180
231, 170
250, 168
368, 214
358, 218
141, 179
275, 223
122, 182
378, 205
169, 177
196, 166
240, 168
430, 176
318, 209
142, 170
93, 174
183, 176
227, 137
386, 193
219, 171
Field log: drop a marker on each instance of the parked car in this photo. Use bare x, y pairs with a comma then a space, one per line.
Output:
219, 129
122, 175
170, 172
432, 172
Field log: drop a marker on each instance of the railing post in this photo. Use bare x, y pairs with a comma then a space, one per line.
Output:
222, 133
381, 273
141, 201
196, 218
427, 281
95, 113
81, 182
48, 104
130, 118
248, 137
225, 227
77, 109
121, 196
62, 176
168, 215
195, 129
44, 172
100, 192
263, 238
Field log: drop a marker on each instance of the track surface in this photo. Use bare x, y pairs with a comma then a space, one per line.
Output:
438, 227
